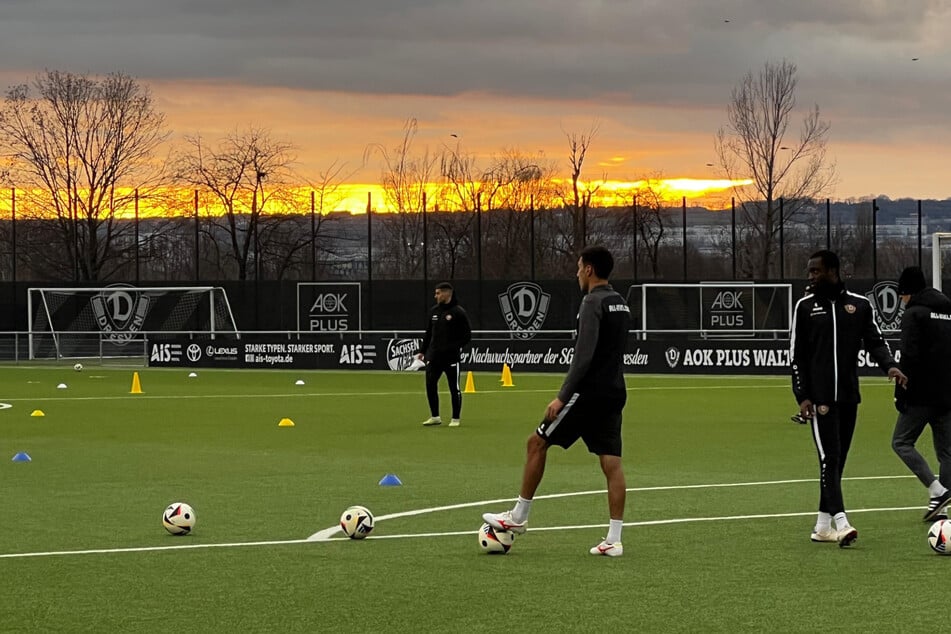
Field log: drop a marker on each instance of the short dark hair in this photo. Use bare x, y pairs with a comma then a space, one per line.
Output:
911, 281
829, 259
600, 260
444, 286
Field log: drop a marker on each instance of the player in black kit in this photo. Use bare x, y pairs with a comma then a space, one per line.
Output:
590, 401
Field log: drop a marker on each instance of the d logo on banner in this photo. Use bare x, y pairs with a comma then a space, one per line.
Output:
120, 310
672, 356
524, 307
887, 304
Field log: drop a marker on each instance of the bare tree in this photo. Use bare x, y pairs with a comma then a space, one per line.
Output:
579, 194
407, 178
244, 173
78, 146
755, 145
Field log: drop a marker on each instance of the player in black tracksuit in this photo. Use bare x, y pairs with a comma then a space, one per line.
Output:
830, 326
926, 399
447, 331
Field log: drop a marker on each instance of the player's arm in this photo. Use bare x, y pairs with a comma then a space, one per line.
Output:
910, 341
424, 346
799, 356
589, 325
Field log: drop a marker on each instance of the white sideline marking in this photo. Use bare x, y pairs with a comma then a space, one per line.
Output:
326, 534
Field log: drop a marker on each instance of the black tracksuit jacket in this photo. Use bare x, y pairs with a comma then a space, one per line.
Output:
828, 332
926, 350
447, 331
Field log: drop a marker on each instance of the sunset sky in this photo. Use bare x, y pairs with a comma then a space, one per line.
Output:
655, 76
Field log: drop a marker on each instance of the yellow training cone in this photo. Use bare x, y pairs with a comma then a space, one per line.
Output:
470, 384
507, 376
286, 422
136, 386
37, 412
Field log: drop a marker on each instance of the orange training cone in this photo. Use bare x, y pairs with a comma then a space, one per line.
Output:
507, 376
136, 386
470, 384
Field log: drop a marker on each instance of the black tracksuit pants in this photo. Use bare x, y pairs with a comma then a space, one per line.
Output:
832, 432
435, 369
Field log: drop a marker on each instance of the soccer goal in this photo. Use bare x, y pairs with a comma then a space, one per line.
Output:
114, 321
938, 239
713, 309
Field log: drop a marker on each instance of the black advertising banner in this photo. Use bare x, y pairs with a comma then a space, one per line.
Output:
653, 356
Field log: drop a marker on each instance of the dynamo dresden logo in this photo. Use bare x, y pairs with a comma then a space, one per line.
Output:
120, 311
672, 356
887, 305
524, 307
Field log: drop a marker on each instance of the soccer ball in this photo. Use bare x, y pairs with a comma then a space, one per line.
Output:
78, 367
356, 522
494, 541
179, 518
939, 537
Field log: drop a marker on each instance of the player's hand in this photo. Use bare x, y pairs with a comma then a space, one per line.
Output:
553, 408
898, 376
420, 356
806, 409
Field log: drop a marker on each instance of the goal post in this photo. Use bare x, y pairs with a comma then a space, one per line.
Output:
937, 239
78, 322
713, 309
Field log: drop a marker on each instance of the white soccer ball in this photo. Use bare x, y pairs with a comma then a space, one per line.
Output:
356, 522
494, 541
939, 537
78, 367
179, 518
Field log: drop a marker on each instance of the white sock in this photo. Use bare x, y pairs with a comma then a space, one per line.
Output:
614, 531
823, 522
842, 521
937, 489
522, 507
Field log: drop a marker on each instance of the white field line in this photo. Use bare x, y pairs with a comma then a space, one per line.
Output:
326, 534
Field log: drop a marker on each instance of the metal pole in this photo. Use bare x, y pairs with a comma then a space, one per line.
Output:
684, 212
197, 276
828, 225
919, 233
479, 255
313, 236
136, 235
425, 251
13, 233
634, 239
874, 240
531, 233
733, 232
370, 260
782, 241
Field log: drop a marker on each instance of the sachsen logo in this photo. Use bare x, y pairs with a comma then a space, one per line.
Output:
400, 353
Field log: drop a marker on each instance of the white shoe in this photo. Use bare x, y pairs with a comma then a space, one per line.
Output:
431, 421
825, 535
455, 422
608, 550
504, 522
847, 537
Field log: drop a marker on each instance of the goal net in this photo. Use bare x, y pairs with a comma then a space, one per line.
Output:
114, 321
712, 309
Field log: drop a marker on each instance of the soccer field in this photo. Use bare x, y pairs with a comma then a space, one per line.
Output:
722, 498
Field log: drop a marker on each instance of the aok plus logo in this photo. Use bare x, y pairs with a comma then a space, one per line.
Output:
887, 304
120, 310
524, 307
726, 310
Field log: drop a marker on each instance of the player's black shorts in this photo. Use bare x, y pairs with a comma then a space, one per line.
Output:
594, 419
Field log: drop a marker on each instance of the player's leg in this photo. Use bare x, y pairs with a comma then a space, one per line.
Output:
825, 435
433, 372
563, 430
603, 438
908, 429
846, 415
455, 393
940, 420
